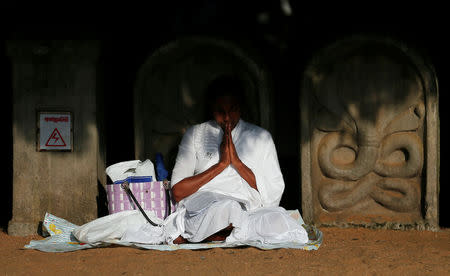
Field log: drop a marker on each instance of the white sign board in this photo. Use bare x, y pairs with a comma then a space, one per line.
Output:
54, 131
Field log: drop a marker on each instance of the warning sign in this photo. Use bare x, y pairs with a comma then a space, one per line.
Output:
55, 139
55, 131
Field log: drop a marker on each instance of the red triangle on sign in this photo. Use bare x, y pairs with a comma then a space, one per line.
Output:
55, 139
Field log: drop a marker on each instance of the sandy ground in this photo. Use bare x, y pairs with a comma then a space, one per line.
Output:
343, 252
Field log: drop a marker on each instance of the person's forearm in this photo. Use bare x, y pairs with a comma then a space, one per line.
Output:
246, 173
190, 185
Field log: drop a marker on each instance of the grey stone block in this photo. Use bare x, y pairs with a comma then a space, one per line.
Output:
54, 75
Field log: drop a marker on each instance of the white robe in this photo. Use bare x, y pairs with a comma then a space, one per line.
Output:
200, 149
228, 198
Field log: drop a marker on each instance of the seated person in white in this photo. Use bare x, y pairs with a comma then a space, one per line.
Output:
227, 179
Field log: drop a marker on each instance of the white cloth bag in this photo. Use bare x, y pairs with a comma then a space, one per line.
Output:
123, 170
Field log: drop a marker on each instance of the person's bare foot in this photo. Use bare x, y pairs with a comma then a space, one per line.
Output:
221, 235
215, 237
179, 240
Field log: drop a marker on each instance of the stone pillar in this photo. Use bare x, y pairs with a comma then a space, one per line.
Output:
370, 136
54, 76
170, 90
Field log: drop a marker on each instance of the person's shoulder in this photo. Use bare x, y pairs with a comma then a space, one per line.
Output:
205, 125
199, 128
256, 130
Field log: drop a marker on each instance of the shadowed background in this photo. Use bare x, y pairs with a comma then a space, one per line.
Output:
285, 36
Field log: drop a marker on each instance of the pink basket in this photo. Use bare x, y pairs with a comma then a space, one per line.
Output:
150, 195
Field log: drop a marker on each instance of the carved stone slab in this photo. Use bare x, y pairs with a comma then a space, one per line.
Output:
369, 133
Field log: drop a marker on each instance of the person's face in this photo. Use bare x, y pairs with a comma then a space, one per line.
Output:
226, 110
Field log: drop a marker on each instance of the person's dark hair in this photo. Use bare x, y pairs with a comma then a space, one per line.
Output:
225, 85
